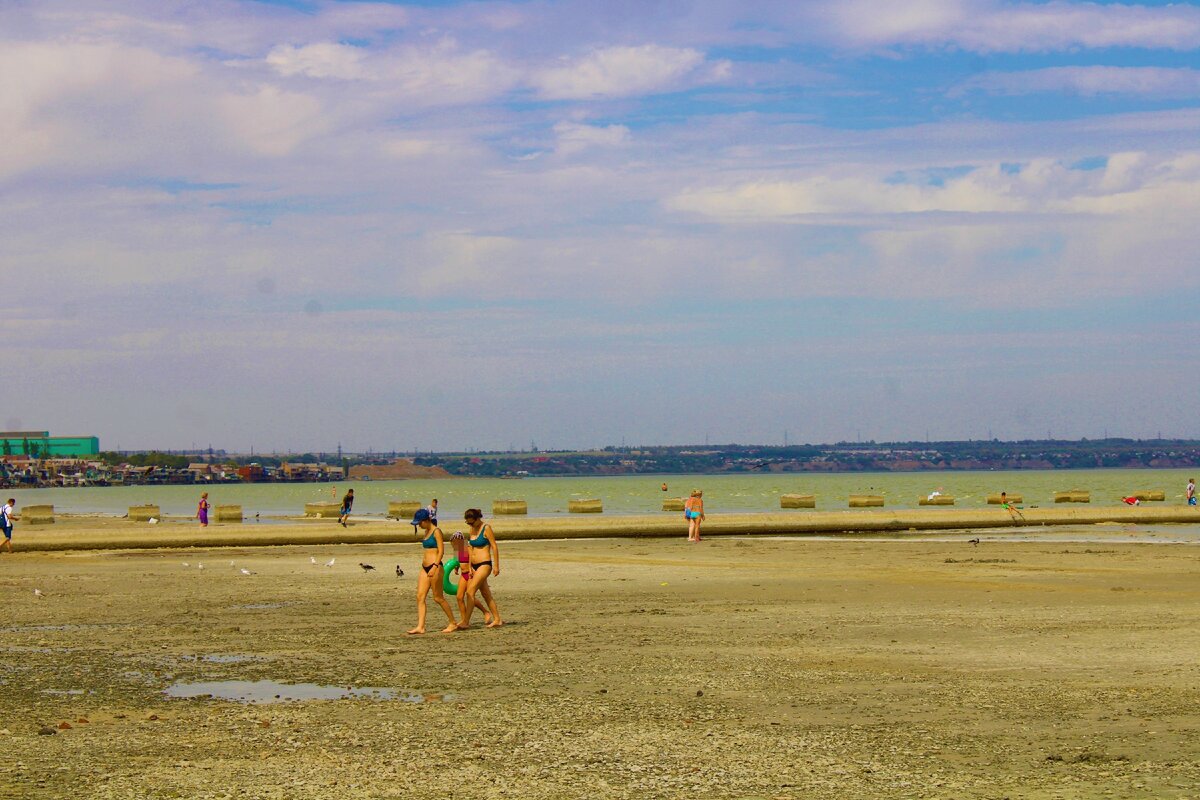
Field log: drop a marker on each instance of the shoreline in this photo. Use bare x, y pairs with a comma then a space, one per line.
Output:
100, 532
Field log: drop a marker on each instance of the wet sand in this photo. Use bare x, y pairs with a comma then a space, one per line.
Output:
741, 667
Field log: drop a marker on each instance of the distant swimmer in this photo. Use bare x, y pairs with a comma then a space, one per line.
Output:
664, 487
1131, 501
1191, 492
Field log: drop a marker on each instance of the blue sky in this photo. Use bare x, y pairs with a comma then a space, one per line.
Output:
445, 225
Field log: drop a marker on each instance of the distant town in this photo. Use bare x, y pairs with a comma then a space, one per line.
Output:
36, 459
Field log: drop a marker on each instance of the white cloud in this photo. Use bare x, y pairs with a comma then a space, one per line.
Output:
618, 71
574, 137
1090, 81
318, 60
992, 26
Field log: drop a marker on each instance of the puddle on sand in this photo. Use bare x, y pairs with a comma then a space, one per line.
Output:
273, 692
261, 606
224, 658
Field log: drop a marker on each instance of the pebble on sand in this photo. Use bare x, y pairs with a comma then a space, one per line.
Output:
46, 730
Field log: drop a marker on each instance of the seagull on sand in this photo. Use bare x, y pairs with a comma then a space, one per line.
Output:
399, 572
366, 567
38, 593
247, 572
199, 566
329, 563
186, 564
312, 561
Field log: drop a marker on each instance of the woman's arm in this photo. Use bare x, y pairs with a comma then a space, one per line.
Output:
437, 536
495, 548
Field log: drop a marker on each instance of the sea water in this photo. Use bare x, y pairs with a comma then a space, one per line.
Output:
625, 494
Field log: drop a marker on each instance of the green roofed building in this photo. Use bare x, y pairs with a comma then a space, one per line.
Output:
43, 445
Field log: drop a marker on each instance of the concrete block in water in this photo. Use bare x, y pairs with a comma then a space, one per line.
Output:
1150, 495
227, 513
866, 501
403, 510
323, 510
144, 513
1073, 496
36, 515
501, 507
994, 499
797, 501
939, 500
672, 504
592, 506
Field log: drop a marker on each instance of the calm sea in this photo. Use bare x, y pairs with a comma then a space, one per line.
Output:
623, 494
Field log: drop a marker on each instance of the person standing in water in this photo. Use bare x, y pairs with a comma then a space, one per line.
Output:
1191, 492
433, 548
485, 562
347, 503
693, 512
202, 510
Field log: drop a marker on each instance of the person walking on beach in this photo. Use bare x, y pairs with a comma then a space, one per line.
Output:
463, 556
7, 516
432, 509
485, 562
347, 503
202, 510
433, 547
693, 512
1191, 492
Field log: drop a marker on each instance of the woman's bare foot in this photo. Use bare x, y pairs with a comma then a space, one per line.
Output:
415, 631
487, 617
495, 623
451, 628
463, 626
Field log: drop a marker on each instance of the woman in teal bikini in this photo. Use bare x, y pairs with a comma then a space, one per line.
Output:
459, 541
485, 561
430, 576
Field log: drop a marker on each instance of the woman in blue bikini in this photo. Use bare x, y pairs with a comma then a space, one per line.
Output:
430, 576
693, 512
485, 561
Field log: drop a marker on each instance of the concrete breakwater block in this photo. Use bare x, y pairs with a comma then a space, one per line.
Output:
1073, 496
37, 515
323, 510
227, 513
590, 506
1150, 495
797, 501
501, 507
144, 513
994, 499
939, 500
403, 510
866, 501
672, 504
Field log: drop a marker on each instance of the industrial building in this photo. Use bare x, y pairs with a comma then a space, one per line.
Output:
42, 445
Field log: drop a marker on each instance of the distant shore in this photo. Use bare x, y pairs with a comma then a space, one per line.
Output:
100, 532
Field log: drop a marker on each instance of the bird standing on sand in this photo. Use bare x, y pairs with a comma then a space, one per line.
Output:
38, 593
312, 560
329, 563
247, 572
399, 572
365, 567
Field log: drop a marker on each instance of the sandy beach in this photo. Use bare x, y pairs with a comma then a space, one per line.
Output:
743, 667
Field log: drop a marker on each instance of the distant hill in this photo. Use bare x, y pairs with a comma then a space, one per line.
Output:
399, 469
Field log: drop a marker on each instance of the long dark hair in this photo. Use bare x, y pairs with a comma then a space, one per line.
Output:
473, 514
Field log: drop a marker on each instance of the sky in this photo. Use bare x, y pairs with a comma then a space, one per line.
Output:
487, 225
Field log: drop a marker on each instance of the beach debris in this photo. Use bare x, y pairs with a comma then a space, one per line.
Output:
245, 571
399, 572
65, 726
329, 563
38, 593
312, 560
974, 541
153, 520
83, 721
232, 564
199, 566
46, 730
366, 567
186, 564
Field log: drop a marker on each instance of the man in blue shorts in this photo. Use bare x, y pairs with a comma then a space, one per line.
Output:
1191, 492
7, 516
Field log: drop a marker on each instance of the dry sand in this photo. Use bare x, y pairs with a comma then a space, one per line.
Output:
736, 668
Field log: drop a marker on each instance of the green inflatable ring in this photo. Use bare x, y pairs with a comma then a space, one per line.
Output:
447, 586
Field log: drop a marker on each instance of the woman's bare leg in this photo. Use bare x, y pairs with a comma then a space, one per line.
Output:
486, 591
440, 599
422, 590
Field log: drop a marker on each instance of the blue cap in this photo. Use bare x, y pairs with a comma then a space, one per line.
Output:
419, 517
